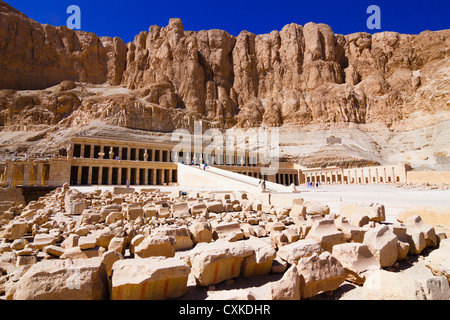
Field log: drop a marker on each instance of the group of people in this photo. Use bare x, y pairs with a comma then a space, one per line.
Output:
313, 184
262, 184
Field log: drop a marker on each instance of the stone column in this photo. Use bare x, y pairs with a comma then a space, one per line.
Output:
138, 176
110, 171
90, 176
119, 176
155, 172
80, 171
100, 175
145, 176
82, 150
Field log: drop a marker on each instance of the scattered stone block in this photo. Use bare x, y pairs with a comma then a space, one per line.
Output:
156, 246
428, 231
403, 245
357, 260
260, 262
416, 240
274, 226
215, 206
163, 212
180, 210
438, 261
325, 232
77, 253
133, 211
182, 236
218, 261
87, 242
109, 258
198, 209
351, 232
201, 232
293, 252
149, 279
321, 273
113, 217
106, 210
288, 287
384, 285
382, 242
42, 240
117, 244
15, 230
227, 229
64, 280
54, 250
316, 208
150, 211
375, 211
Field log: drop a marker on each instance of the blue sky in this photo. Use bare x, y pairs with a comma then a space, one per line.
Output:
126, 19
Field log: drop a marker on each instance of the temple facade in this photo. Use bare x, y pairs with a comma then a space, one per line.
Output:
102, 161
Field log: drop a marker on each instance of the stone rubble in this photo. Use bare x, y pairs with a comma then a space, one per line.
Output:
156, 245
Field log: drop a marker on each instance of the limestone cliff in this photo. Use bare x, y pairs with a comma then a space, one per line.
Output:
169, 77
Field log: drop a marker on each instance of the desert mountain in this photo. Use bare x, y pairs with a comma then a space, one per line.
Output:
56, 82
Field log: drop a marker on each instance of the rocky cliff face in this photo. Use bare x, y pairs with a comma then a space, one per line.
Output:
300, 75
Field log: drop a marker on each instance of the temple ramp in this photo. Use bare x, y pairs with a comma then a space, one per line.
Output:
219, 179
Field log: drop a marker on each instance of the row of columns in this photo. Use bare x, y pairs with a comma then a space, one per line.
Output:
135, 176
287, 179
375, 175
325, 177
155, 155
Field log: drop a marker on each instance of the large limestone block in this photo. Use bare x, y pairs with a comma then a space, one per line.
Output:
150, 211
215, 206
201, 231
403, 244
428, 231
260, 262
133, 211
288, 287
416, 240
439, 260
352, 233
198, 209
218, 261
357, 259
227, 229
180, 210
293, 252
156, 246
326, 233
182, 235
15, 230
316, 208
106, 210
153, 278
382, 242
77, 253
42, 240
297, 211
375, 211
84, 279
384, 285
320, 273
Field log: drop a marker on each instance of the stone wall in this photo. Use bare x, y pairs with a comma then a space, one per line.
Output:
434, 177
